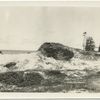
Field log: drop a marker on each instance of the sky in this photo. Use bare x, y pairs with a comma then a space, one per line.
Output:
27, 27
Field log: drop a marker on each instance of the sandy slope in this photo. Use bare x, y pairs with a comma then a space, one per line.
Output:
36, 60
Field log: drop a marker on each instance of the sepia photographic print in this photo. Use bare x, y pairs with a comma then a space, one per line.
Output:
49, 48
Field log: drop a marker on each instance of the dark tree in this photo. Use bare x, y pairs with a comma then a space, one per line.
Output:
90, 44
0, 52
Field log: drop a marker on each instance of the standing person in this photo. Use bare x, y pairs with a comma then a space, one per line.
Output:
84, 40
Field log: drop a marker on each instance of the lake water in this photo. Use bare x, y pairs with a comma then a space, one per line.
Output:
15, 51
